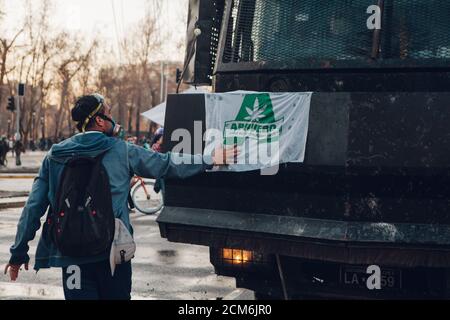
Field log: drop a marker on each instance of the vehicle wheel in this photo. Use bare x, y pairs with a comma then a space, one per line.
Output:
147, 203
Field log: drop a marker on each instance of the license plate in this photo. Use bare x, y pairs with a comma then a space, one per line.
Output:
356, 277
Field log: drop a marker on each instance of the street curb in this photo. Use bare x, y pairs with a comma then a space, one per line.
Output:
22, 176
20, 171
10, 205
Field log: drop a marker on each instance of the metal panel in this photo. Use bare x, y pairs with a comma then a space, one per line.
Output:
207, 16
405, 245
343, 177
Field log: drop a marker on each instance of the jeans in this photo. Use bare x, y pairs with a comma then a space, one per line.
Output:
96, 282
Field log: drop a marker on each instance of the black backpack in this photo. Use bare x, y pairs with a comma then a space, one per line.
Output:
82, 223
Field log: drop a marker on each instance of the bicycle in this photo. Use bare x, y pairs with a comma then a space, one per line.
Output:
144, 197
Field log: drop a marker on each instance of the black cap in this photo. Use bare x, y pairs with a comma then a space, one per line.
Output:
84, 106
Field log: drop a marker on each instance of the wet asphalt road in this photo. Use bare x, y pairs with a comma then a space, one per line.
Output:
161, 270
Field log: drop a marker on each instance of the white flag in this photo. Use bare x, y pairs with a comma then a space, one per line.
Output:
267, 128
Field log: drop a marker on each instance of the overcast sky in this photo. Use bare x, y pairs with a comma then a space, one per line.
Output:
105, 17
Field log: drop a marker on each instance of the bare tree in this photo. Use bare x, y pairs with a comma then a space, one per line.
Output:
36, 67
57, 66
71, 62
6, 47
142, 45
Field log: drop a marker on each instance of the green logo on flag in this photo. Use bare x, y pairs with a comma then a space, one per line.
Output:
255, 120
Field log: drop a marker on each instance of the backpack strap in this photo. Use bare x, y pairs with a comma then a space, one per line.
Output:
98, 166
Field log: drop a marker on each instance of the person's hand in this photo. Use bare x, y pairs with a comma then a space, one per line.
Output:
224, 155
14, 270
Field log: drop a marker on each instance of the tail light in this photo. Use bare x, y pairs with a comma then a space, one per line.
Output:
226, 258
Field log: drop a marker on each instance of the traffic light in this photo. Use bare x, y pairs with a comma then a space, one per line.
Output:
21, 89
11, 104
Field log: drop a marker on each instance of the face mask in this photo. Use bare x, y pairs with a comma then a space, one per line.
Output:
116, 130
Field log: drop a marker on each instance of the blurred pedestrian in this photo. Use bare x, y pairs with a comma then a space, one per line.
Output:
157, 143
49, 143
42, 144
32, 145
18, 149
160, 130
4, 151
146, 145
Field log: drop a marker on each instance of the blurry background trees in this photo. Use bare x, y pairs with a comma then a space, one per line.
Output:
58, 66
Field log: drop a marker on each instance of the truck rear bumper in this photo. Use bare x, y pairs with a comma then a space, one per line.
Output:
389, 244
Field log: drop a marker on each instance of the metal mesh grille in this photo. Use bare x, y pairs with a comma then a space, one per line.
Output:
416, 29
215, 32
289, 30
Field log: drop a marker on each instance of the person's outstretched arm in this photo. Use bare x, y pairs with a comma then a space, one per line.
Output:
30, 221
149, 164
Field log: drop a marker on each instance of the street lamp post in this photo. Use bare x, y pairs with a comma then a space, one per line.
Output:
161, 88
9, 128
43, 127
17, 135
21, 93
33, 135
33, 126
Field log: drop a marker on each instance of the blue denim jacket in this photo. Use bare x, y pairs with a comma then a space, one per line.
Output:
122, 160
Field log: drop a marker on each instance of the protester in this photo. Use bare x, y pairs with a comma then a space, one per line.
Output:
42, 144
160, 130
98, 151
142, 140
146, 145
32, 145
49, 143
4, 151
157, 143
132, 139
18, 149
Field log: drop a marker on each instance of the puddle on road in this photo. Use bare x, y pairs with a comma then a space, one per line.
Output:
167, 256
